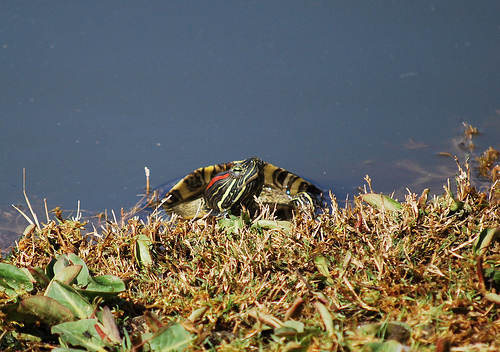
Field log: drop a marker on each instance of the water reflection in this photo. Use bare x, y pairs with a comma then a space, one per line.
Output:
12, 225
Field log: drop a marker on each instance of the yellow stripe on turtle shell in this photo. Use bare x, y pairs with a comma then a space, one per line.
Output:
284, 180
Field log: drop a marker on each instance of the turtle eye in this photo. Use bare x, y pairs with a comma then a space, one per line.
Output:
237, 169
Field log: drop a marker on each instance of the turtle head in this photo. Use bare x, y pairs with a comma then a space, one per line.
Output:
232, 189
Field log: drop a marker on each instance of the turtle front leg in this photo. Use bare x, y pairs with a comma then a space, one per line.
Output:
305, 204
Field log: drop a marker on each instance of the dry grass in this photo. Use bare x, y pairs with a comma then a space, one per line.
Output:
365, 265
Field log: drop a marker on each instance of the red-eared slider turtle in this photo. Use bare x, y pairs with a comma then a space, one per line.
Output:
229, 187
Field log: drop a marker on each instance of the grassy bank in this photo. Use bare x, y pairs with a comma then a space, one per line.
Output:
420, 274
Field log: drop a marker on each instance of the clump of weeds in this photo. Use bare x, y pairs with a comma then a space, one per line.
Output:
419, 274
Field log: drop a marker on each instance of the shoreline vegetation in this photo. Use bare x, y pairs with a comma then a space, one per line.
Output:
378, 275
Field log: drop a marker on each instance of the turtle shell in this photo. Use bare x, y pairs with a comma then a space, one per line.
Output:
229, 187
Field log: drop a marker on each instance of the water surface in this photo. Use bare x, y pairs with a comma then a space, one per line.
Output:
92, 92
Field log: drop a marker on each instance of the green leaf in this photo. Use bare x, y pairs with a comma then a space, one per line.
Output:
232, 224
81, 333
152, 321
29, 230
83, 277
290, 328
40, 308
322, 266
394, 330
66, 260
69, 298
274, 225
106, 283
170, 338
388, 346
294, 346
68, 274
297, 325
326, 316
49, 269
13, 281
40, 277
486, 237
5, 287
197, 314
61, 263
142, 251
109, 325
105, 286
456, 205
492, 297
381, 202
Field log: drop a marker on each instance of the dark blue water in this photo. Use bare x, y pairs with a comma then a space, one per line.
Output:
92, 92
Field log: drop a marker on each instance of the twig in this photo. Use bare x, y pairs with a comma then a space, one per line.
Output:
25, 216
78, 215
27, 200
114, 216
360, 301
46, 209
147, 180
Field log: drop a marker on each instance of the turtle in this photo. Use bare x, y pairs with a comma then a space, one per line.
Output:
229, 188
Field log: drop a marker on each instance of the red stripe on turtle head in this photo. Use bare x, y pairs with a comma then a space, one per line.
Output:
217, 178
